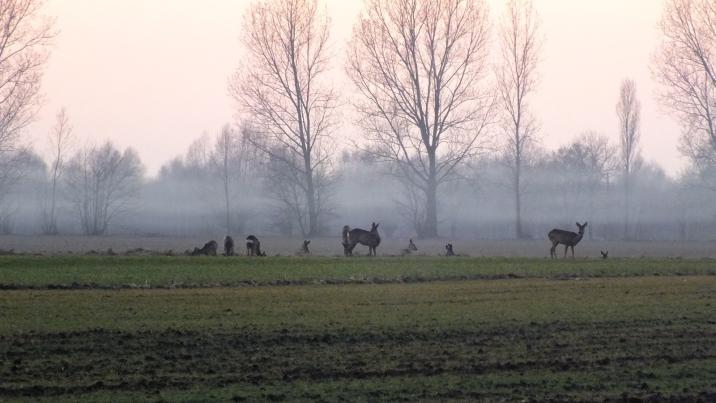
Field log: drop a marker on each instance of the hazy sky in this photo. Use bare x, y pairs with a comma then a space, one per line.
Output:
152, 74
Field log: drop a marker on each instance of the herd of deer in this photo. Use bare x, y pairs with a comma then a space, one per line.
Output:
371, 239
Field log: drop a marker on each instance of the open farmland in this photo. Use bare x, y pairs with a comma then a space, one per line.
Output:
327, 329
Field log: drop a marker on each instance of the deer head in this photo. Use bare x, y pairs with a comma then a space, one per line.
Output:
582, 227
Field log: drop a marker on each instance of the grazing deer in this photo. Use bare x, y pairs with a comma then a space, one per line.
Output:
410, 249
567, 238
353, 237
448, 250
604, 254
228, 246
304, 248
253, 246
209, 249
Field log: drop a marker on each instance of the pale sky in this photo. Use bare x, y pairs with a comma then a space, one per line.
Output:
152, 74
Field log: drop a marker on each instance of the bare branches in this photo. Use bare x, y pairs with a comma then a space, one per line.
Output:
281, 86
418, 65
686, 68
516, 80
60, 140
24, 39
102, 182
629, 113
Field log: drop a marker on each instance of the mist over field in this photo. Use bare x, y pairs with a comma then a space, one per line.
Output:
188, 201
466, 159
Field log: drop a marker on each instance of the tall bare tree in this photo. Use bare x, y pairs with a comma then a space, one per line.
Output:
102, 183
516, 81
283, 85
228, 160
629, 114
686, 68
419, 66
24, 40
60, 140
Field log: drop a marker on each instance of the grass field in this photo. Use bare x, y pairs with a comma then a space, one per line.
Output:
330, 329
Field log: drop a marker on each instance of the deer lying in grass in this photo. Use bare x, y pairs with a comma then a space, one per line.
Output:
567, 238
410, 249
209, 249
353, 237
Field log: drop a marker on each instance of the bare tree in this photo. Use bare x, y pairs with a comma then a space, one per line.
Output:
102, 182
284, 88
686, 68
584, 168
516, 81
24, 40
229, 160
14, 167
60, 140
629, 113
419, 65
283, 184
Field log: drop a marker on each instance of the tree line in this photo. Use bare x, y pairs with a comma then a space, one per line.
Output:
444, 122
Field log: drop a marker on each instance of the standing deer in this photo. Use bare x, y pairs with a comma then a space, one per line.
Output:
448, 250
566, 238
410, 249
253, 246
352, 237
228, 246
604, 254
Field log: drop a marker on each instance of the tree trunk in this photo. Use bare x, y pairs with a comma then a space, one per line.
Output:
627, 189
52, 225
430, 229
310, 197
518, 203
312, 210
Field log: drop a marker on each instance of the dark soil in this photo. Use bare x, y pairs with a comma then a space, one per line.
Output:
638, 361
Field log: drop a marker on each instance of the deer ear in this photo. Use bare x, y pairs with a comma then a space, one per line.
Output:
578, 224
585, 223
376, 225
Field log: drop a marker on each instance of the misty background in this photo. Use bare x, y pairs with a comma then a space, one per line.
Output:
506, 175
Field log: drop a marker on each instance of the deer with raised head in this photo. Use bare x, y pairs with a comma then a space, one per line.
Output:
567, 238
355, 236
410, 249
448, 250
304, 248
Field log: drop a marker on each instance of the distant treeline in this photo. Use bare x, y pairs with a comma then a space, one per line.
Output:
187, 197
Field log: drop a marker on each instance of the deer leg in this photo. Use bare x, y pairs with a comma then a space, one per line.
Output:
552, 253
572, 251
566, 248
